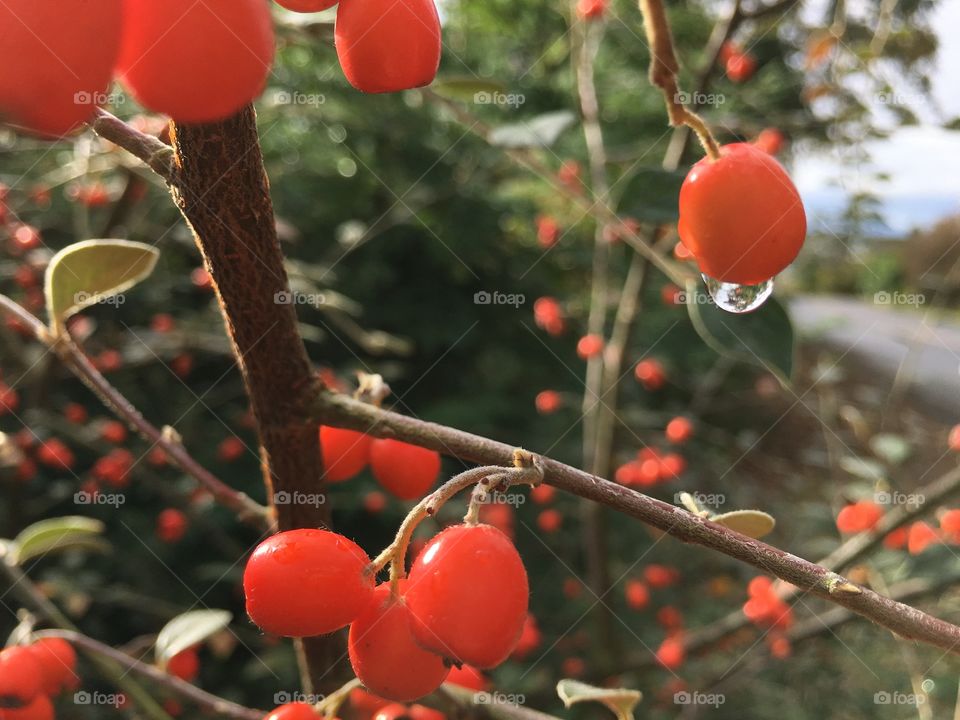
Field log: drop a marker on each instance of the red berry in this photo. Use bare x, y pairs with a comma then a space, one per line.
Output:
63, 54
591, 9
40, 709
162, 323
385, 656
468, 595
530, 639
58, 661
573, 667
569, 173
896, 539
171, 525
25, 238
55, 454
741, 215
740, 67
114, 432
302, 583
307, 6
201, 279
548, 315
365, 704
408, 471
728, 50
422, 712
638, 596
549, 521
21, 676
109, 361
543, 494
670, 294
345, 452
548, 231
950, 525
572, 588
197, 62
294, 711
920, 537
185, 665
669, 617
396, 711
548, 402
672, 466
679, 430
953, 440
500, 515
779, 645
467, 677
859, 517
388, 45
650, 374
660, 576
589, 346
9, 399
770, 140
75, 413
671, 653
230, 449
374, 502
681, 253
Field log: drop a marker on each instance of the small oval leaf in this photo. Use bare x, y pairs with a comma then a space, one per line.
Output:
541, 131
189, 629
892, 449
752, 523
763, 337
88, 272
63, 533
621, 701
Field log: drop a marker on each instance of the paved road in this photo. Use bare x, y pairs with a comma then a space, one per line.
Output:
880, 337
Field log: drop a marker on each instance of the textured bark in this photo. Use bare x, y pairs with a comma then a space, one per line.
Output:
223, 192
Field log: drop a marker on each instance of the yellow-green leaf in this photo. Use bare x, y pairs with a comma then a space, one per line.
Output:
187, 630
752, 523
63, 533
92, 271
621, 701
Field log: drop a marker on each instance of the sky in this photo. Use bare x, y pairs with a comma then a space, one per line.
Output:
924, 182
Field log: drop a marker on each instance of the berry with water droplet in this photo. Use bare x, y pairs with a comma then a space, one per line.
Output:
741, 216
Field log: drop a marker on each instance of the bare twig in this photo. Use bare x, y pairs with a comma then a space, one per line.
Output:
78, 363
154, 153
902, 619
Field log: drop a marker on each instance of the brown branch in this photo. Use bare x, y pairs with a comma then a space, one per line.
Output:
663, 74
222, 191
204, 700
154, 153
904, 620
77, 362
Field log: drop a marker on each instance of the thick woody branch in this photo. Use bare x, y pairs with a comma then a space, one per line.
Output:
901, 619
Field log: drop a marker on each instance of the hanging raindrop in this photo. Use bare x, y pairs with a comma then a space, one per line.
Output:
738, 298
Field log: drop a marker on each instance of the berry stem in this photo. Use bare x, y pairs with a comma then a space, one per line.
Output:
663, 74
329, 707
527, 470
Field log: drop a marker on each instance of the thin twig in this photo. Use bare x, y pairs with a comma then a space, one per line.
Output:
154, 153
77, 362
342, 411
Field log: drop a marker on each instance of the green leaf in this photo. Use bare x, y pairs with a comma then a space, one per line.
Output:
91, 271
763, 337
541, 131
652, 195
189, 629
752, 523
621, 701
890, 448
63, 533
863, 468
467, 88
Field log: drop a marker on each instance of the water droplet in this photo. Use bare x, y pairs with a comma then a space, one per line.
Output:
738, 298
